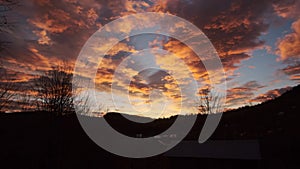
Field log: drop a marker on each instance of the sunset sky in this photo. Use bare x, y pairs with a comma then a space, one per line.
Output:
258, 42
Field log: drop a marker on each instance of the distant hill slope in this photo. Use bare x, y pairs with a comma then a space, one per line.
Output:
276, 117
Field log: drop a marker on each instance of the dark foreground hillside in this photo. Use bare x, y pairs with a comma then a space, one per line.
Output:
269, 131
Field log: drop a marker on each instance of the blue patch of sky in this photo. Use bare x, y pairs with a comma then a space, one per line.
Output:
266, 71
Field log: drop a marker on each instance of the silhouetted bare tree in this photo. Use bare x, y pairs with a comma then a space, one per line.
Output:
6, 89
54, 91
85, 105
6, 25
209, 103
26, 101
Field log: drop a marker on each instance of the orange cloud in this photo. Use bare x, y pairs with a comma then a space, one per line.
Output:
271, 94
288, 47
58, 30
52, 25
292, 70
295, 77
191, 61
242, 95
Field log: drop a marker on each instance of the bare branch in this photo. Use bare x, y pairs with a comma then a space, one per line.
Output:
6, 90
54, 91
209, 103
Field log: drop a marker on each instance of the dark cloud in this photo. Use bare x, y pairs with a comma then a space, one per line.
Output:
58, 29
233, 26
243, 94
287, 8
271, 94
293, 71
49, 32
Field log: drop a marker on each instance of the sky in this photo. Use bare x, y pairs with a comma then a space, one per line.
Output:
258, 43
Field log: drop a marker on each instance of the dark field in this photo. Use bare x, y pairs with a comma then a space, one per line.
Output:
36, 140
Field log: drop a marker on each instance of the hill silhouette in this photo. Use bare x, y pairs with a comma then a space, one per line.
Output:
43, 140
273, 118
